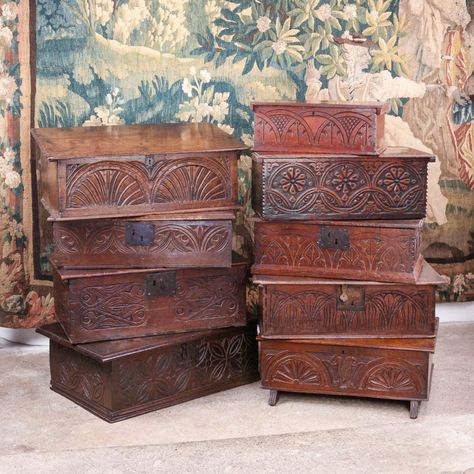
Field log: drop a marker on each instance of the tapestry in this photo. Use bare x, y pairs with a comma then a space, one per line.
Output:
112, 62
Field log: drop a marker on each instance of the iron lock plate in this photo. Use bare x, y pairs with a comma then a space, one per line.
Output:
350, 298
334, 238
139, 233
160, 284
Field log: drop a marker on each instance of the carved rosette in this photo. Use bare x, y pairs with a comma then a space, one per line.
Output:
347, 189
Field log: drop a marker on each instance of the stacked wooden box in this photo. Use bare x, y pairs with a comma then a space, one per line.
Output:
150, 300
347, 300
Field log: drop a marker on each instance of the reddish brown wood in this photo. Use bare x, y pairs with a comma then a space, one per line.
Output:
300, 127
389, 186
202, 240
353, 250
300, 309
399, 373
116, 380
135, 170
96, 305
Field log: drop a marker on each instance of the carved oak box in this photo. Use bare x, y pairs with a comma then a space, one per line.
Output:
301, 127
116, 380
133, 170
95, 305
377, 368
392, 185
307, 308
188, 240
353, 250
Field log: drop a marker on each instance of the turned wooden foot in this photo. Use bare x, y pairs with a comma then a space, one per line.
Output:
414, 407
273, 399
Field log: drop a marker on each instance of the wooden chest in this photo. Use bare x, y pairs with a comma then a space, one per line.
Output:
95, 305
134, 170
301, 127
377, 368
116, 380
189, 240
389, 186
307, 308
354, 250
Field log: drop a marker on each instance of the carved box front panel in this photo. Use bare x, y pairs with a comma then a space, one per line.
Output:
147, 184
343, 310
336, 188
318, 128
124, 244
127, 305
347, 251
368, 372
182, 370
162, 372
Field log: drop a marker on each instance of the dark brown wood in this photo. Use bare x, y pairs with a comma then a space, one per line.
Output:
100, 172
353, 250
363, 370
389, 186
300, 127
98, 305
116, 380
193, 240
344, 309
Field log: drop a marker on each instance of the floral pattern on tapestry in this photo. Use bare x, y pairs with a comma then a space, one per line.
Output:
20, 304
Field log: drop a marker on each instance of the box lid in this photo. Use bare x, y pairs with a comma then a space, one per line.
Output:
380, 107
389, 154
70, 274
394, 224
106, 351
133, 140
428, 276
419, 344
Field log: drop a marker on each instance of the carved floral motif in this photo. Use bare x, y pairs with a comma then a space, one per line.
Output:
330, 188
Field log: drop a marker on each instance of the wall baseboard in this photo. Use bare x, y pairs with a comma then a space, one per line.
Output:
446, 312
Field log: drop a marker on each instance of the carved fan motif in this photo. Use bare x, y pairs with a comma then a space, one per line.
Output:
113, 186
189, 182
293, 368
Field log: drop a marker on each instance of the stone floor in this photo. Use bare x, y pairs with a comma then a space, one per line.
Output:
236, 431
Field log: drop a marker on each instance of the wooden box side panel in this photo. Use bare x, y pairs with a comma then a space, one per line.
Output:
47, 179
149, 183
345, 310
327, 188
181, 372
114, 307
101, 244
258, 186
315, 129
377, 373
380, 254
79, 377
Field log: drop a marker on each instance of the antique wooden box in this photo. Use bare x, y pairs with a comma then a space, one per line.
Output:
354, 250
95, 305
301, 127
389, 186
120, 379
133, 170
189, 240
398, 369
307, 308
